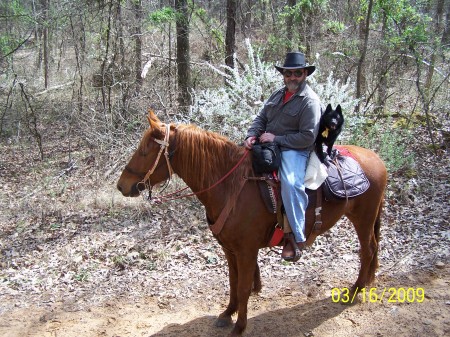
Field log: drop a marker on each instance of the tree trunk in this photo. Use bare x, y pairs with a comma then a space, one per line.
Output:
246, 13
45, 23
364, 39
138, 44
261, 14
446, 33
183, 55
438, 28
230, 39
104, 66
290, 26
382, 87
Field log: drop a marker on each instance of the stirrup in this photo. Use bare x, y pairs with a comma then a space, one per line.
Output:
289, 239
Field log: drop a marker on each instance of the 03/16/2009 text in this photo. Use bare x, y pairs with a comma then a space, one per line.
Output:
377, 295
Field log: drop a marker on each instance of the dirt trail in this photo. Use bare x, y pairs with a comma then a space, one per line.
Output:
286, 311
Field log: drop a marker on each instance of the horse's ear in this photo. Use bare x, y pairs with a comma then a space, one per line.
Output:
153, 119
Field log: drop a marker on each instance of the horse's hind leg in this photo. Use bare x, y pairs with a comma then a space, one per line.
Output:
374, 264
367, 225
247, 268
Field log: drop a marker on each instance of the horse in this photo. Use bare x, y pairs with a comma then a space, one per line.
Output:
214, 167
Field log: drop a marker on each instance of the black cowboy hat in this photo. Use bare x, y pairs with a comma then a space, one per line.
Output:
296, 60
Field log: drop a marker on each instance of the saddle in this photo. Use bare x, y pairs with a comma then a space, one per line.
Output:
271, 194
345, 180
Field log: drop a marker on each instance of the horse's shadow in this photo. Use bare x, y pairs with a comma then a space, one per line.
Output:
290, 322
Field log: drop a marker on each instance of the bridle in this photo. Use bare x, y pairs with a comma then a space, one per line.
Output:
164, 146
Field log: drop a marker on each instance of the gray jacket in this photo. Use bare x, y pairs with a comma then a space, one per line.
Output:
295, 124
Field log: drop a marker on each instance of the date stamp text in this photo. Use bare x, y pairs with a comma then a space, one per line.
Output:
378, 295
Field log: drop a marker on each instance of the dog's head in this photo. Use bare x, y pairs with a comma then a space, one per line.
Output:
332, 119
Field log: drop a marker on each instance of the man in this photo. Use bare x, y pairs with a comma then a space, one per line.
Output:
290, 118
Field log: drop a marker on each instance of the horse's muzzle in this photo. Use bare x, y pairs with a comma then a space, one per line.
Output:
134, 191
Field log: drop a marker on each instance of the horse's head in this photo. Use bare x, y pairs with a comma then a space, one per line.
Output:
148, 166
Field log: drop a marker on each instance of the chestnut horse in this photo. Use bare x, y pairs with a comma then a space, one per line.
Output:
202, 159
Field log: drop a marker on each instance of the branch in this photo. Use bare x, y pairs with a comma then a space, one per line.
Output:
20, 45
440, 72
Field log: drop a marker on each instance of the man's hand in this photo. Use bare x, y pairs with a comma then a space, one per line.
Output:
248, 143
267, 137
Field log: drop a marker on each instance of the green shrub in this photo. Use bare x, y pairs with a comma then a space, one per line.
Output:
389, 143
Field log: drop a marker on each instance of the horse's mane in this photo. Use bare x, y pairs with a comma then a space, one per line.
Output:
208, 155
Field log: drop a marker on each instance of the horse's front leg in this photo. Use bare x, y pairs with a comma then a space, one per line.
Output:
225, 317
246, 265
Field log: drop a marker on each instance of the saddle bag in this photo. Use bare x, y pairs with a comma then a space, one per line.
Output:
266, 157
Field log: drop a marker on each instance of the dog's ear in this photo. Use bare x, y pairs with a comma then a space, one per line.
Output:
338, 109
328, 109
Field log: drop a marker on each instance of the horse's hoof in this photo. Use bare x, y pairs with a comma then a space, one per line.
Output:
355, 289
223, 322
235, 333
352, 297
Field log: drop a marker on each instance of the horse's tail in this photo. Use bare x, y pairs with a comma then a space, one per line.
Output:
377, 224
376, 231
257, 286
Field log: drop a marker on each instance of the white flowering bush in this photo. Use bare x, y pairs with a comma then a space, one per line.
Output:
231, 109
333, 92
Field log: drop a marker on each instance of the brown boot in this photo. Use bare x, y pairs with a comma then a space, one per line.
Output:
292, 251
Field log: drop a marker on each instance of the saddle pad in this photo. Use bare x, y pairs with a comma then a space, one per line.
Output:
346, 179
316, 172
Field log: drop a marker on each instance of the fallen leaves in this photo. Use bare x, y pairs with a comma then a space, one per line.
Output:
67, 235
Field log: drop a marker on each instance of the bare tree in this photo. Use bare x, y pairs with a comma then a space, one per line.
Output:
230, 39
45, 47
290, 25
446, 33
137, 6
438, 28
246, 15
364, 39
183, 55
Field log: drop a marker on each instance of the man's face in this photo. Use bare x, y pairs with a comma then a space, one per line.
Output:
294, 78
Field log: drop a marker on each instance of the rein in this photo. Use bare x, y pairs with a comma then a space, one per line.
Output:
174, 196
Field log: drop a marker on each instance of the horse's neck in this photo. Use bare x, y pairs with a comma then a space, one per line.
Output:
197, 174
201, 163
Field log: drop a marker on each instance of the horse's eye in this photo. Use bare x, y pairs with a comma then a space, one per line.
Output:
144, 149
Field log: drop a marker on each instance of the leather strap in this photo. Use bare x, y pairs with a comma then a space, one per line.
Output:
164, 146
216, 228
318, 210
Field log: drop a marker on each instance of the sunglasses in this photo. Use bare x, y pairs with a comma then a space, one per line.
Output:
297, 73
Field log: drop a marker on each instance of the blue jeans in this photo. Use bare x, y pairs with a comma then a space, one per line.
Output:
295, 199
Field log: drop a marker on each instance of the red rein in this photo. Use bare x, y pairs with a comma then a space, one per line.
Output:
173, 196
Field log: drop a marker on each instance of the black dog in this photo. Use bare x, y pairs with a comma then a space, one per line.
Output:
330, 127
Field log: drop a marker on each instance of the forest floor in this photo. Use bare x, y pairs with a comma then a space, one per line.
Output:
78, 259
